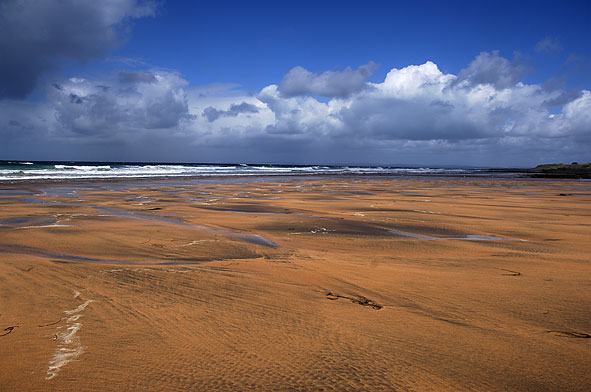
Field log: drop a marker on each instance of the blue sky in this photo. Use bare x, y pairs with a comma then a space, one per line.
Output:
454, 83
238, 42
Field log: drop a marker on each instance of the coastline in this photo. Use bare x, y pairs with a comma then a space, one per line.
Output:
47, 170
198, 179
377, 282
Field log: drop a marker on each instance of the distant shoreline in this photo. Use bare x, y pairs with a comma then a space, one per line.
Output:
561, 170
196, 180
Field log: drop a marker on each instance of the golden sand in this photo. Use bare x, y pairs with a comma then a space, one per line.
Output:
334, 283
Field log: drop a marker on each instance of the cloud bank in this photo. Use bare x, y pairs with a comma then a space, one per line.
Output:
126, 113
417, 115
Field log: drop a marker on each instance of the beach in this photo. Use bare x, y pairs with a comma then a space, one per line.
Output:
296, 283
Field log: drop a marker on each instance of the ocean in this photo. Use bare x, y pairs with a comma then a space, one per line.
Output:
50, 170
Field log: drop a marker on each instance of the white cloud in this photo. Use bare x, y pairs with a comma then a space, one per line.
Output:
414, 81
297, 115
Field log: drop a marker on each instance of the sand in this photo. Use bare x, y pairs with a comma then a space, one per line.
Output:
332, 283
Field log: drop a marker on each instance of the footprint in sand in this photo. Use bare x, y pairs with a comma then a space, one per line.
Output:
359, 300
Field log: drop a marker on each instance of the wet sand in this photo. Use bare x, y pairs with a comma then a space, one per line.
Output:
332, 283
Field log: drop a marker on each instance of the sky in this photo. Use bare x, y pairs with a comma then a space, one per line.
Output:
490, 84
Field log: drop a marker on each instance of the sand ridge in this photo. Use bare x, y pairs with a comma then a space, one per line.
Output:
329, 283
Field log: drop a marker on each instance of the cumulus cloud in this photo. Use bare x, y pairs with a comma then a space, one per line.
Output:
297, 115
490, 68
35, 35
300, 81
213, 114
107, 108
548, 44
482, 111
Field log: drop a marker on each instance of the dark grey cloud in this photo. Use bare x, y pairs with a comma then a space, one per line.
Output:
213, 114
35, 35
299, 81
490, 68
548, 44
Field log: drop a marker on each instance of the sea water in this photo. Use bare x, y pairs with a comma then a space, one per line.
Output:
47, 170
